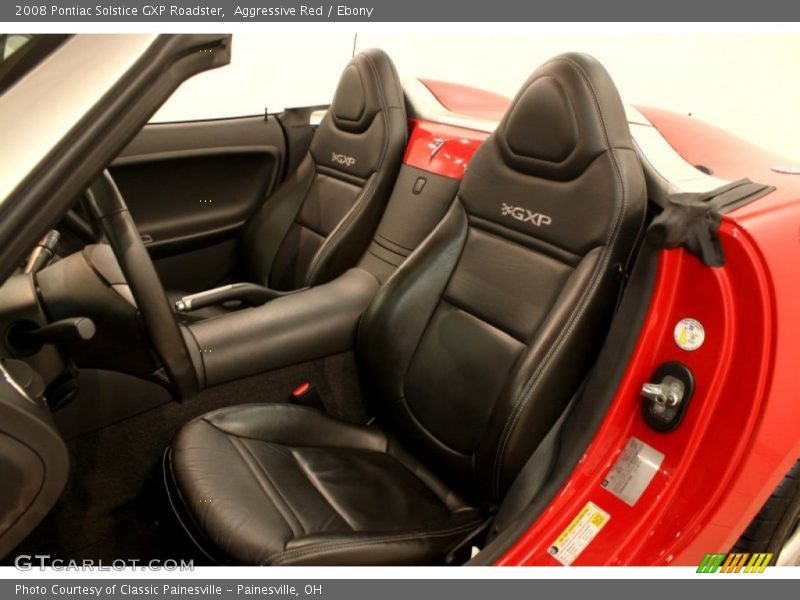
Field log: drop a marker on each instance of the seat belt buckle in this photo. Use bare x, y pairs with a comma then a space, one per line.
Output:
307, 395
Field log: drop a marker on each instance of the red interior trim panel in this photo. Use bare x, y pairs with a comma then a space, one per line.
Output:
441, 149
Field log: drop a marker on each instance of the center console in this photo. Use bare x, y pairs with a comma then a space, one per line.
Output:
310, 324
321, 321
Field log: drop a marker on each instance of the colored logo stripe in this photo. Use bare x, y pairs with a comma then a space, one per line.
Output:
735, 562
710, 563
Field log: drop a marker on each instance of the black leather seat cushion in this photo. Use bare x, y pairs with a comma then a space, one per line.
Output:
285, 484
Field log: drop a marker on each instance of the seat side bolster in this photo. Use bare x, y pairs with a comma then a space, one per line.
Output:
446, 496
349, 240
402, 308
267, 227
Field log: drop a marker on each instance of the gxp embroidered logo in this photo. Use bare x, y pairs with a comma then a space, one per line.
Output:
343, 159
524, 215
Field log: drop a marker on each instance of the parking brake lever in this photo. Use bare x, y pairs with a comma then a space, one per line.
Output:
249, 294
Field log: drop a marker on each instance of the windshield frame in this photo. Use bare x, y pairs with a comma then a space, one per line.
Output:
23, 61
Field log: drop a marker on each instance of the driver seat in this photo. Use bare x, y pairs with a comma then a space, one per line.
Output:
320, 220
470, 352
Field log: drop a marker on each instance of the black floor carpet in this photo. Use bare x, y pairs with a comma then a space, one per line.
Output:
114, 504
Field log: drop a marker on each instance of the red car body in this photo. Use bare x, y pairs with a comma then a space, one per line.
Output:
741, 433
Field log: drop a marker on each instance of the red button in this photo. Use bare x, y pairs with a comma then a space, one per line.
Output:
301, 389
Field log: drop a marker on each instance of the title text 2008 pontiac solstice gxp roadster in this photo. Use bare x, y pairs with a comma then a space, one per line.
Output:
422, 325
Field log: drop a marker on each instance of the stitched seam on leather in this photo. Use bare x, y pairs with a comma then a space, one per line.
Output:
377, 242
416, 469
577, 311
426, 431
357, 208
639, 233
384, 105
293, 220
309, 228
398, 89
402, 399
279, 557
468, 311
546, 248
449, 498
383, 259
583, 301
275, 488
301, 221
194, 525
397, 269
276, 493
273, 407
238, 435
359, 204
354, 180
312, 479
377, 234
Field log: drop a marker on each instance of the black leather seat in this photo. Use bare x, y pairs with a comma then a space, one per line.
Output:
285, 484
470, 352
318, 223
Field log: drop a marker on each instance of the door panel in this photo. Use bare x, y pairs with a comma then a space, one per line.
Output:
179, 200
197, 270
190, 187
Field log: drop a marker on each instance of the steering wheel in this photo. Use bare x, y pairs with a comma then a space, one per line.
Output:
110, 212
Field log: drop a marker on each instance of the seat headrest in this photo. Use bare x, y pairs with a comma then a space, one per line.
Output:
566, 114
367, 115
359, 95
550, 171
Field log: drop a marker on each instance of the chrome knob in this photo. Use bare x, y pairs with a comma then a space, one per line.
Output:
667, 394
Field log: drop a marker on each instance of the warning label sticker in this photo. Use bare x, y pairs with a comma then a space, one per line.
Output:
579, 534
633, 472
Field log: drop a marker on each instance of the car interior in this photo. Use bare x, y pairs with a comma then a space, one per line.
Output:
265, 341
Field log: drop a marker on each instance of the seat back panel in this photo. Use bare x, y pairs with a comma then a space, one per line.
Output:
462, 361
327, 203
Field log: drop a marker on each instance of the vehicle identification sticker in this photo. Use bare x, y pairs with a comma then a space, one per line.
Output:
578, 534
633, 472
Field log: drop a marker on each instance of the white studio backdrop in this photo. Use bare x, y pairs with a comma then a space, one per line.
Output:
745, 83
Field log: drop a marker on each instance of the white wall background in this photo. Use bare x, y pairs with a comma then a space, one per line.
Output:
748, 84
